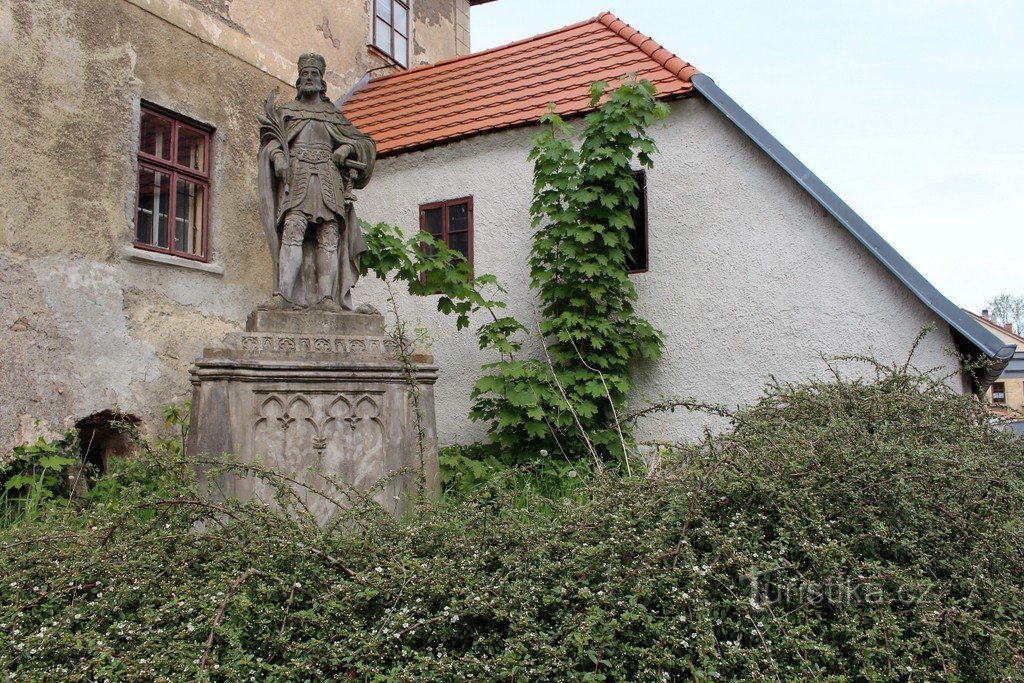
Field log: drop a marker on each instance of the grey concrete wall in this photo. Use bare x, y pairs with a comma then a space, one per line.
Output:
749, 277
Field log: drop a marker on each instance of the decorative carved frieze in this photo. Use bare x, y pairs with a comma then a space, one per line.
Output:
321, 433
260, 343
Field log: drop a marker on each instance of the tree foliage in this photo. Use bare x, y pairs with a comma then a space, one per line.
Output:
582, 209
1008, 309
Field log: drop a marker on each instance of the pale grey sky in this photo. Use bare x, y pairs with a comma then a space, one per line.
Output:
911, 110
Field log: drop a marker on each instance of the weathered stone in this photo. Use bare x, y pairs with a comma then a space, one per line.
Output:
313, 389
311, 161
315, 322
310, 404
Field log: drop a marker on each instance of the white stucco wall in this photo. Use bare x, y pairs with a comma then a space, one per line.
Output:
749, 277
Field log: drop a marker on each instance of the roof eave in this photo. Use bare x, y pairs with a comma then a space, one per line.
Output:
974, 336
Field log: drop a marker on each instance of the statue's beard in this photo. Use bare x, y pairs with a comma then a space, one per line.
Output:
309, 90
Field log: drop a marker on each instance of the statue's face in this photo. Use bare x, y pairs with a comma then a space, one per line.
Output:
310, 80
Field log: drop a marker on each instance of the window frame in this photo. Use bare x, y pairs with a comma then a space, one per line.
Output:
641, 187
390, 53
174, 170
445, 206
1002, 390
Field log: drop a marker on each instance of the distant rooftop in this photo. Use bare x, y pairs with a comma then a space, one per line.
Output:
511, 85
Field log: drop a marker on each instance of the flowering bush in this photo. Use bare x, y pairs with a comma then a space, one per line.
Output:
847, 531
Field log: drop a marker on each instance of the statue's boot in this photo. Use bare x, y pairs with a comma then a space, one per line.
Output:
329, 304
326, 274
276, 303
290, 262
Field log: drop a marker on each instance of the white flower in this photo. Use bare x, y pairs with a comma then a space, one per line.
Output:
298, 584
572, 474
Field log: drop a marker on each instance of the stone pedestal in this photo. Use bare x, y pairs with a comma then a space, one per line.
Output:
308, 394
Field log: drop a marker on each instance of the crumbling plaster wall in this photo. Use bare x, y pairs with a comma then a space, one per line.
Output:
749, 277
85, 326
88, 323
441, 30
340, 30
270, 34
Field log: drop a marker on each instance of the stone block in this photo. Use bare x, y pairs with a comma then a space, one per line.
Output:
316, 322
310, 394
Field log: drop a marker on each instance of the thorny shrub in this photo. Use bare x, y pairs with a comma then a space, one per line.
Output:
853, 530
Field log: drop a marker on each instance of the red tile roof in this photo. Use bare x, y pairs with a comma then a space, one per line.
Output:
511, 85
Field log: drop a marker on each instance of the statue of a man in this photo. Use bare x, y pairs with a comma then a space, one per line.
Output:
311, 159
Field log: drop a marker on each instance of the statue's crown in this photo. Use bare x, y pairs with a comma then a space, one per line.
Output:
314, 60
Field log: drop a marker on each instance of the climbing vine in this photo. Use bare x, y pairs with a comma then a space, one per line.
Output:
571, 398
568, 401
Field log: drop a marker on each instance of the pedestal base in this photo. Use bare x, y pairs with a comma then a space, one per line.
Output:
314, 394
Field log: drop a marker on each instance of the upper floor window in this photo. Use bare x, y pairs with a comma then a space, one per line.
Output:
999, 392
636, 257
391, 29
173, 185
452, 223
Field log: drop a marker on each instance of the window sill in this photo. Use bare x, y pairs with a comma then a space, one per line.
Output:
392, 62
143, 256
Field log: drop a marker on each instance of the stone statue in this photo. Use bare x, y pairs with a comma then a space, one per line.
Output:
311, 388
311, 159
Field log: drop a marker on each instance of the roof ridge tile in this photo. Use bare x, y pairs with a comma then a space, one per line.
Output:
651, 47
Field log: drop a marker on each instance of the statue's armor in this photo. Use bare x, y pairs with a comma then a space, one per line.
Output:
315, 176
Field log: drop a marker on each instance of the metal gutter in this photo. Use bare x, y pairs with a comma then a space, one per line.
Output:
360, 84
969, 333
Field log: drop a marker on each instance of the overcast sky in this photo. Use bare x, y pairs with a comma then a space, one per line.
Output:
911, 110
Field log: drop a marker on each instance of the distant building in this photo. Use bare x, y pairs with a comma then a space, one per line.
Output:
1007, 391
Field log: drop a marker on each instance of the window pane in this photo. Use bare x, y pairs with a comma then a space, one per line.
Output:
432, 221
384, 9
189, 218
154, 204
192, 149
459, 241
458, 217
636, 255
156, 136
401, 22
401, 54
383, 37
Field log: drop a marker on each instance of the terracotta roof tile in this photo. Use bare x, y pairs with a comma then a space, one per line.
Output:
511, 85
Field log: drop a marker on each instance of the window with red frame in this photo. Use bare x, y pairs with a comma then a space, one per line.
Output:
452, 223
391, 29
999, 392
172, 215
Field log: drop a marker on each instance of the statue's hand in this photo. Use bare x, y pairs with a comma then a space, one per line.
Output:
342, 154
280, 166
